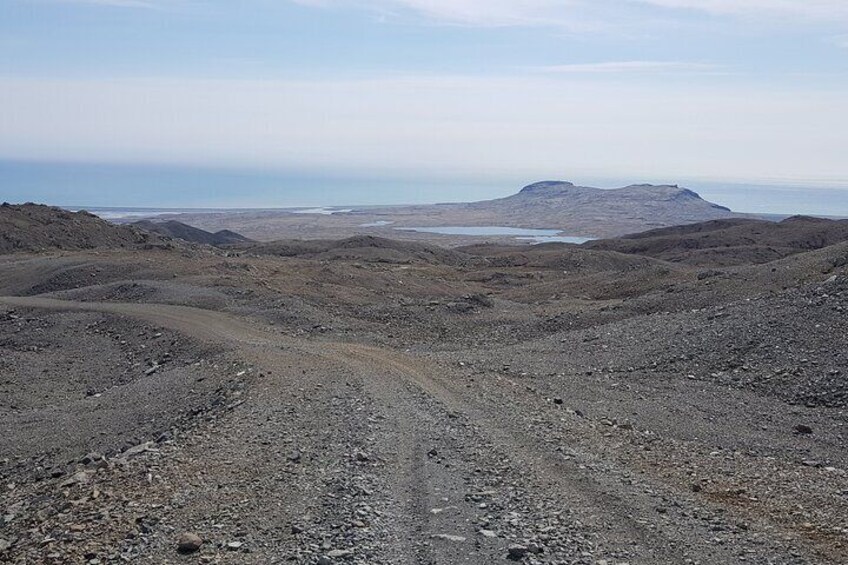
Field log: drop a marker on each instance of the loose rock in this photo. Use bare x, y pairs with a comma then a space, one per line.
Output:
189, 543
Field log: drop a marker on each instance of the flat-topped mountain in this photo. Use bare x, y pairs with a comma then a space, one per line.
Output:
554, 205
589, 211
564, 189
575, 210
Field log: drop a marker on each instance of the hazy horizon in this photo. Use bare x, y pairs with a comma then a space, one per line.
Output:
93, 185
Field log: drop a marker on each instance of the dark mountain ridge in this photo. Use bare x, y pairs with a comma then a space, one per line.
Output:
36, 227
576, 210
730, 242
564, 189
179, 230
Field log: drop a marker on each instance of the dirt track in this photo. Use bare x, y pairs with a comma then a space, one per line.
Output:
402, 458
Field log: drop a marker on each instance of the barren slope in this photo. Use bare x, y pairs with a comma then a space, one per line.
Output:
731, 242
34, 227
370, 401
179, 230
421, 467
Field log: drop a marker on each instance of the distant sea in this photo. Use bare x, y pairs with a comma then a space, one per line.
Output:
143, 189
87, 185
108, 213
128, 214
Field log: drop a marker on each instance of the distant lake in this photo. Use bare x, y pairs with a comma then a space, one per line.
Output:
321, 211
530, 234
377, 224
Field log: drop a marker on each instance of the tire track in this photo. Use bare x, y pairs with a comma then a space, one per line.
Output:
420, 403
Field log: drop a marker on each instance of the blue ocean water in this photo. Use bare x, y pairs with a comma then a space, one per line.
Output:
86, 185
118, 213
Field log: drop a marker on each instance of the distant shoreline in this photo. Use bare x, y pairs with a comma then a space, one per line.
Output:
193, 189
119, 214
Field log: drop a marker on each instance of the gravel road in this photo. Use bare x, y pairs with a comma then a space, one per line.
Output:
334, 451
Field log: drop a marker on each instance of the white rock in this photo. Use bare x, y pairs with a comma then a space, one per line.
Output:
448, 537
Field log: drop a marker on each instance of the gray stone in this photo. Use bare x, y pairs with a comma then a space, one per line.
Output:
803, 429
448, 537
189, 543
92, 457
80, 478
517, 551
138, 450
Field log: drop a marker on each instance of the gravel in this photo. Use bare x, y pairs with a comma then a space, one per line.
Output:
340, 412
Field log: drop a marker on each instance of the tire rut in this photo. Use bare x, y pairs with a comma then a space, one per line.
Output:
434, 443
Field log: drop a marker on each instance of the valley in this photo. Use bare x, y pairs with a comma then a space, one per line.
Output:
635, 400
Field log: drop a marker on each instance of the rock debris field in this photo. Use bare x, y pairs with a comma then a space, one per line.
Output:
381, 403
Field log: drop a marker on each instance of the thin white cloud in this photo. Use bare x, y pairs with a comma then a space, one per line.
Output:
535, 125
491, 13
573, 14
593, 13
620, 67
151, 4
480, 13
826, 10
562, 13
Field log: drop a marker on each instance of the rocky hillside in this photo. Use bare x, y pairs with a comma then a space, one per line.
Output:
35, 227
179, 230
362, 248
576, 210
586, 210
365, 400
730, 242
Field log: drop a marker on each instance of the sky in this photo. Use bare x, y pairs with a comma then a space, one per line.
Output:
440, 98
